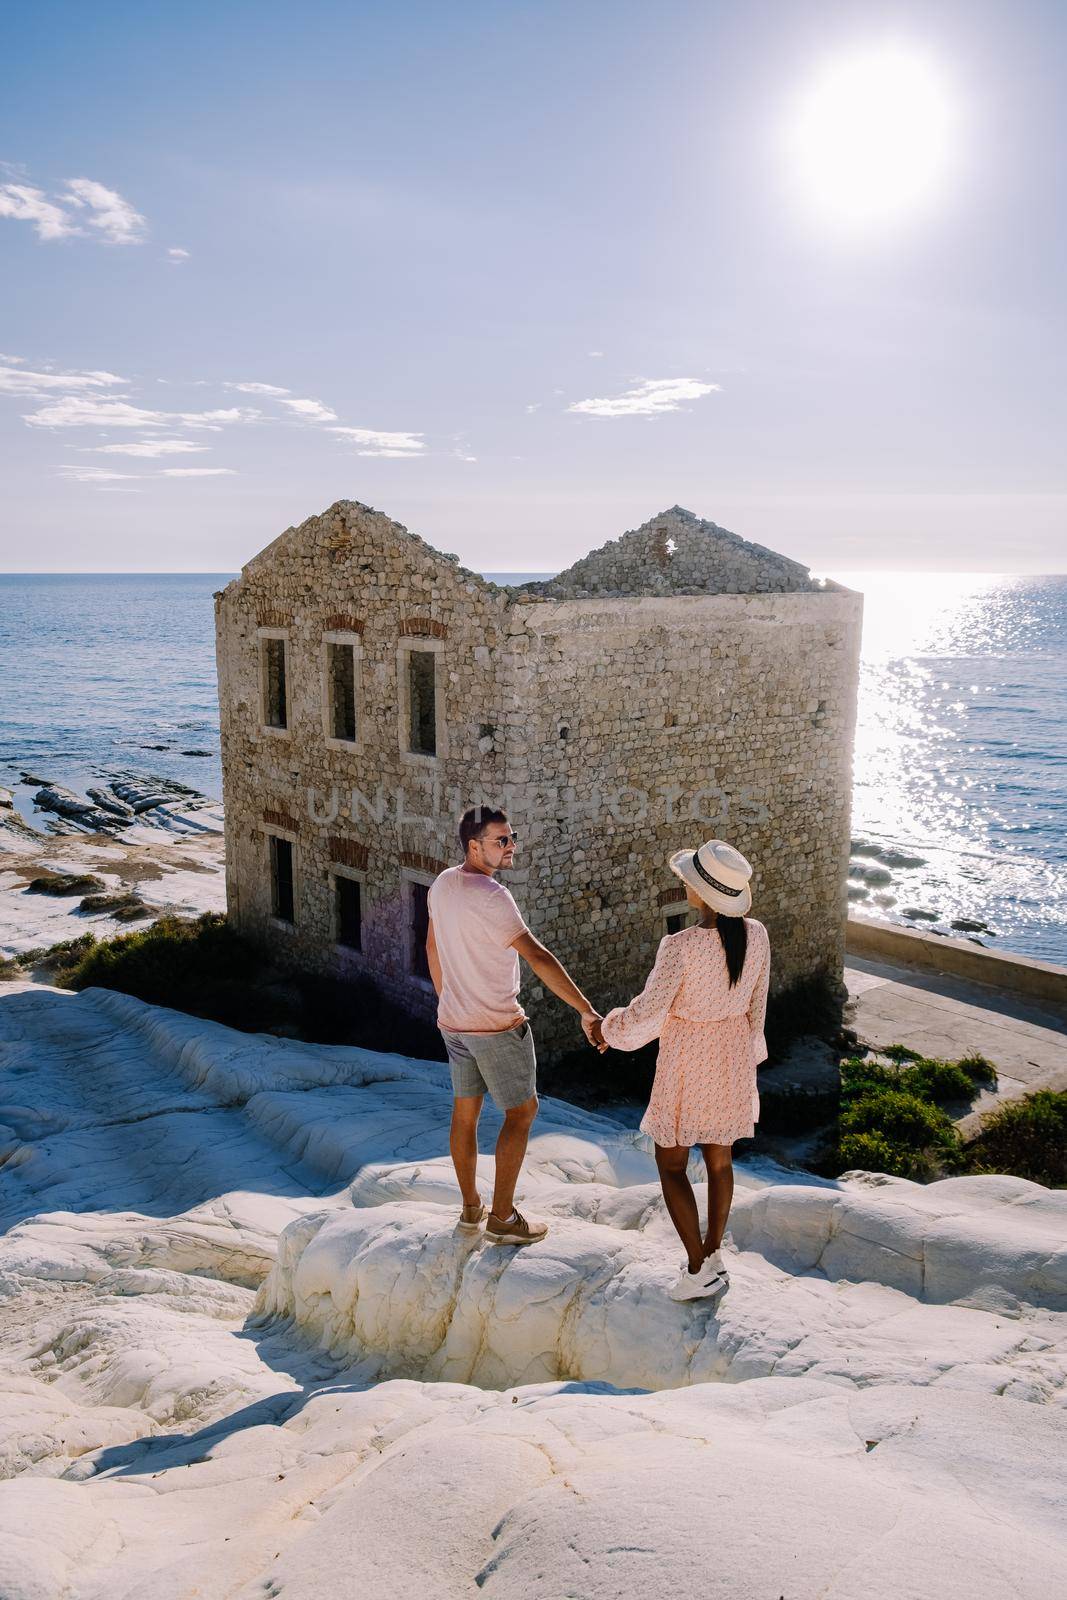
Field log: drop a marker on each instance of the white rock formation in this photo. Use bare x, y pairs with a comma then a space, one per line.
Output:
379, 1404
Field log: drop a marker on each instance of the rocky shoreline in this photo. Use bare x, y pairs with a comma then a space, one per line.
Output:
130, 850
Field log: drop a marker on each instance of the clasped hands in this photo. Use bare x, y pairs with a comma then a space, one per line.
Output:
591, 1021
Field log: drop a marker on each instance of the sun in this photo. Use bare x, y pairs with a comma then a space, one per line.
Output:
871, 135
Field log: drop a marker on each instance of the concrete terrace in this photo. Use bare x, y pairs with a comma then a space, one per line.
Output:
946, 1016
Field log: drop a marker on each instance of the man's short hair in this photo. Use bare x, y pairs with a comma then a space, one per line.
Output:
474, 819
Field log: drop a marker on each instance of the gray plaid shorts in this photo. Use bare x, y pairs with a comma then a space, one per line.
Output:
501, 1064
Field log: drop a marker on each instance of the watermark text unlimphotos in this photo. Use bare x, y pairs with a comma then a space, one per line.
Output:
664, 804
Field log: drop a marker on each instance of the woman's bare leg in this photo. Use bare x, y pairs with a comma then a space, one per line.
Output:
672, 1161
718, 1158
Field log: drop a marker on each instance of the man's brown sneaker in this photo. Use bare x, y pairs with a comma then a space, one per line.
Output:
472, 1218
515, 1231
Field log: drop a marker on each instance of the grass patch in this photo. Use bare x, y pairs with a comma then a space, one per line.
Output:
205, 968
124, 907
1027, 1138
60, 883
54, 958
892, 1115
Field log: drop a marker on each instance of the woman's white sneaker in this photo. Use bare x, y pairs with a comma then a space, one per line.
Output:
716, 1265
695, 1285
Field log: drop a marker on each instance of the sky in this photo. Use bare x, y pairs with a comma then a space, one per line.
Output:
523, 274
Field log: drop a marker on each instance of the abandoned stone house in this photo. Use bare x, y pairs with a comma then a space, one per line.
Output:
676, 684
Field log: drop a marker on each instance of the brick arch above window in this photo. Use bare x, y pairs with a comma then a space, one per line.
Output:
420, 863
279, 819
348, 852
422, 628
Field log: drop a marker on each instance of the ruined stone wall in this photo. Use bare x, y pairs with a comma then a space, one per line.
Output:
676, 553
737, 708
353, 572
655, 724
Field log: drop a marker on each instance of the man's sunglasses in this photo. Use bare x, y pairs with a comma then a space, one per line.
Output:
502, 839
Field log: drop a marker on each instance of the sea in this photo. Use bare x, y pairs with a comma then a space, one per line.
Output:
960, 785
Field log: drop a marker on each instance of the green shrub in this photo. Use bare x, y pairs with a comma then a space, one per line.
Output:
900, 1116
205, 968
939, 1081
900, 1053
1027, 1138
199, 966
873, 1152
65, 883
60, 959
978, 1069
860, 1076
886, 1127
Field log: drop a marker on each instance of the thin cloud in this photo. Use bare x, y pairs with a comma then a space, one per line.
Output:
208, 419
84, 411
23, 203
177, 255
198, 472
148, 448
20, 381
90, 411
650, 398
375, 442
107, 211
258, 388
86, 474
311, 410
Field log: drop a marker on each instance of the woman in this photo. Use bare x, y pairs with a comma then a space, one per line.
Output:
705, 999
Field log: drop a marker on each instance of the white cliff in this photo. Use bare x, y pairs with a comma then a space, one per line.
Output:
243, 1350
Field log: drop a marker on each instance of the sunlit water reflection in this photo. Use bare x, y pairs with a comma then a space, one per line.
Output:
961, 755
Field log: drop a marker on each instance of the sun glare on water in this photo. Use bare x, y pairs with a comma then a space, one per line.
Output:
871, 135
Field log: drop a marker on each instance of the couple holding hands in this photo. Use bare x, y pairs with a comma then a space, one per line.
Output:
705, 1000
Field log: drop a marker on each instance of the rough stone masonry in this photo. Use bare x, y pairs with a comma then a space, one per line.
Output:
678, 683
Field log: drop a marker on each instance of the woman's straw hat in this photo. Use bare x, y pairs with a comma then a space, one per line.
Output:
719, 874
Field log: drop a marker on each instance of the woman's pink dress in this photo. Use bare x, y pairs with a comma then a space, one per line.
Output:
710, 1037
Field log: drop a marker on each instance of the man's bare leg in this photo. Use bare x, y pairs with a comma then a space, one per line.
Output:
510, 1150
463, 1144
718, 1158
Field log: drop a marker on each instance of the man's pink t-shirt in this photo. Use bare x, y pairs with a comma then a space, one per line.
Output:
475, 921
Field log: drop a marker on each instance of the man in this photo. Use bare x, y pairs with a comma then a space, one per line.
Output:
476, 935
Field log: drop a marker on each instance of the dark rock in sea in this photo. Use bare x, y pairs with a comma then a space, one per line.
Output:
856, 892
194, 752
109, 803
64, 883
141, 796
7, 799
153, 747
65, 803
918, 915
31, 777
965, 925
887, 856
872, 875
885, 900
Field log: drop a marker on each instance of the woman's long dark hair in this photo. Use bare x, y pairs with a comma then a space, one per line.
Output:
734, 935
